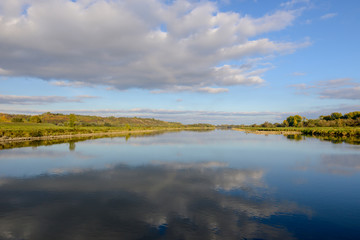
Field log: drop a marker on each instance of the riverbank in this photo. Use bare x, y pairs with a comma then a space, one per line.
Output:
268, 132
36, 132
315, 131
19, 139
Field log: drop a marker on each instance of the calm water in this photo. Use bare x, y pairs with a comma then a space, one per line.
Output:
184, 185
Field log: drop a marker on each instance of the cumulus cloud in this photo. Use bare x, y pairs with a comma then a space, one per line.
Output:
328, 16
135, 44
32, 100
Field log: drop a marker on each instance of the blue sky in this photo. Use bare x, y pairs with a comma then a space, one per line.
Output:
234, 62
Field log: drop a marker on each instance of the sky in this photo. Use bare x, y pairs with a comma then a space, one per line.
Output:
189, 61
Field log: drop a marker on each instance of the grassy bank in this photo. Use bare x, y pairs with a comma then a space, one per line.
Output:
13, 143
28, 131
313, 131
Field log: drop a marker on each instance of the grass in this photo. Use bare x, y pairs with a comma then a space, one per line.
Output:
314, 131
28, 130
15, 130
46, 142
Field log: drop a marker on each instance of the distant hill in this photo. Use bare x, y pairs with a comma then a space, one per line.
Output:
83, 120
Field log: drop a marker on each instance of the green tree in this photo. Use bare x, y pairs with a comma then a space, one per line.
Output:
326, 118
72, 120
285, 123
128, 127
107, 124
336, 115
294, 121
17, 119
352, 115
267, 125
35, 119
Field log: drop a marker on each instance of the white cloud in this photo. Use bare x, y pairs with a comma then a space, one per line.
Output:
338, 82
35, 100
292, 3
68, 84
340, 88
211, 90
4, 72
342, 93
317, 111
135, 44
298, 74
328, 16
196, 116
301, 86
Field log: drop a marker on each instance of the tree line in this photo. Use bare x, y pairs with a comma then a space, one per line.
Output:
335, 119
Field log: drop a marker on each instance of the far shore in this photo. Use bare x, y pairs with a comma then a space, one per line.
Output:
342, 132
53, 137
268, 132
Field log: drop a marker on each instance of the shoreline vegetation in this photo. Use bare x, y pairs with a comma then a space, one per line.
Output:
49, 126
314, 131
52, 126
94, 134
334, 135
73, 139
334, 125
266, 131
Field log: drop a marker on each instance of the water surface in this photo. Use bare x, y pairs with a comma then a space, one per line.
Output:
182, 185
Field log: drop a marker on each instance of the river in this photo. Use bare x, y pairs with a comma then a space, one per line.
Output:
181, 185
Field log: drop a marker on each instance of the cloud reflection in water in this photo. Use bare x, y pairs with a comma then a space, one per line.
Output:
156, 201
341, 164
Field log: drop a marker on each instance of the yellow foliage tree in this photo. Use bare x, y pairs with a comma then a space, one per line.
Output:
3, 119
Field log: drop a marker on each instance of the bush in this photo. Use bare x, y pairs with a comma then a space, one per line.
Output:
36, 133
35, 119
17, 119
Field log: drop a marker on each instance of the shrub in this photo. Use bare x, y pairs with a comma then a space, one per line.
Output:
35, 133
16, 119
